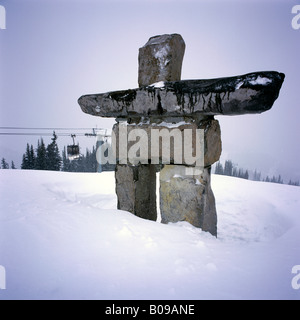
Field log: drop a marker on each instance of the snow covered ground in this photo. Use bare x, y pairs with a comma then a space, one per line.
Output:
61, 237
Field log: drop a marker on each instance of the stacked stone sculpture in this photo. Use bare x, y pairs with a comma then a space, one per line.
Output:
164, 102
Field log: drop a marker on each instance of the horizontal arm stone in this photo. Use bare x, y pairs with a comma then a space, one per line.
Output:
248, 94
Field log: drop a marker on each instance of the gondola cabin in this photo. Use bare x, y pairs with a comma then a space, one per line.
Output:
73, 151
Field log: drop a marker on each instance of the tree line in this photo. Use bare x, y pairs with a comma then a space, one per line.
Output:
42, 158
229, 169
5, 165
49, 158
87, 163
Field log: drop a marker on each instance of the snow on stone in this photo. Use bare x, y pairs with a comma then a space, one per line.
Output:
63, 238
158, 85
172, 125
260, 81
161, 55
198, 182
238, 86
178, 176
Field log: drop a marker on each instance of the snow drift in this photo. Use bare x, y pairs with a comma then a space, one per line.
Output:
61, 237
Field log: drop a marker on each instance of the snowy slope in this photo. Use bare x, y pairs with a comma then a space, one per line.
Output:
61, 237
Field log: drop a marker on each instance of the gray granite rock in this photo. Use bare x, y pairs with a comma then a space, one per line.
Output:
136, 190
187, 198
247, 94
212, 140
166, 142
161, 59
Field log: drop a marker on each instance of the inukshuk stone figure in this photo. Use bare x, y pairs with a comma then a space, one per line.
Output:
161, 104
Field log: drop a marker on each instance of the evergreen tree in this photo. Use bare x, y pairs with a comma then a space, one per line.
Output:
257, 176
25, 161
228, 169
277, 179
53, 158
94, 167
28, 162
219, 169
78, 165
66, 163
4, 164
41, 156
280, 180
31, 158
24, 164
235, 172
240, 173
87, 163
91, 161
274, 180
13, 165
292, 183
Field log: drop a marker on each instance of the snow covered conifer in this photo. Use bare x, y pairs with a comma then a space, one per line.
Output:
13, 166
219, 168
66, 163
41, 157
28, 162
24, 164
228, 169
53, 157
4, 164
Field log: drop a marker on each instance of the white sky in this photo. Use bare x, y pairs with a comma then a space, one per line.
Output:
52, 52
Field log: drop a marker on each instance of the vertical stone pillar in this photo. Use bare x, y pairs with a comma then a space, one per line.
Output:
190, 198
159, 60
136, 190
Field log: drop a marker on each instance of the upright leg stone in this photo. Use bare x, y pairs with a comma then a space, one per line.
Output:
136, 190
190, 198
187, 198
135, 184
208, 217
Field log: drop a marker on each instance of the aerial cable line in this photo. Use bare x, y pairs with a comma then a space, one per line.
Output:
89, 132
43, 134
53, 129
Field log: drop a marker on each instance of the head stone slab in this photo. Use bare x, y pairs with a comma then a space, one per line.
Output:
161, 59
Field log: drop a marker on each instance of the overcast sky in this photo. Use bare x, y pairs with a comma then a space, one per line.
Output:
52, 52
